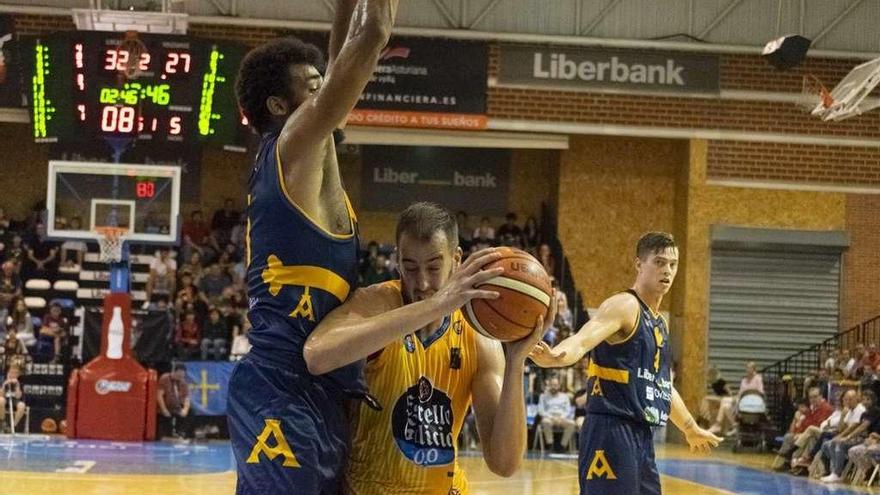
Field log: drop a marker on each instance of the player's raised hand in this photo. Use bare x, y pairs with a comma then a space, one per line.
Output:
547, 357
701, 440
462, 285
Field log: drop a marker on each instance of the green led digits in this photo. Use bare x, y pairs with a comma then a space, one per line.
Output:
43, 108
133, 92
209, 85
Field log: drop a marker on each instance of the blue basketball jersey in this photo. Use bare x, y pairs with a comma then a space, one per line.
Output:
297, 271
632, 378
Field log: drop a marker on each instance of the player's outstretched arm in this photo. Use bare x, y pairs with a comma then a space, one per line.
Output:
339, 31
307, 129
700, 440
617, 312
499, 404
375, 316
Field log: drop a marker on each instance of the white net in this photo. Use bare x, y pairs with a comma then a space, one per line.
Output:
111, 241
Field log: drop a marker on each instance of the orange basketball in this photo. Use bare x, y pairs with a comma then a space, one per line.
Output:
48, 425
525, 294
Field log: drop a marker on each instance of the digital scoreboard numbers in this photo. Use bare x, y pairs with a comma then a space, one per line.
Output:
182, 90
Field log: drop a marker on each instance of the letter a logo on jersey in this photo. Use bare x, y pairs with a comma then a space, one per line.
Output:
273, 429
600, 467
597, 388
304, 308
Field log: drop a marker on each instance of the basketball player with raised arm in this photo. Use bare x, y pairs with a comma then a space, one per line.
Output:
289, 428
630, 388
426, 365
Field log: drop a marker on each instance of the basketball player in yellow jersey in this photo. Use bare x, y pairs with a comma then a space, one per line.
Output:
425, 365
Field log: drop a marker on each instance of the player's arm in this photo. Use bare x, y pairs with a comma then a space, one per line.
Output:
699, 439
499, 404
160, 398
339, 31
309, 126
374, 317
617, 314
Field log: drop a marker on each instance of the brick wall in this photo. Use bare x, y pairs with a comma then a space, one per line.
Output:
794, 163
861, 290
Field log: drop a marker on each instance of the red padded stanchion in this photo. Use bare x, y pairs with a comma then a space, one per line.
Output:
111, 397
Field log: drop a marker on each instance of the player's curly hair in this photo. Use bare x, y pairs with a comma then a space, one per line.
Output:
265, 72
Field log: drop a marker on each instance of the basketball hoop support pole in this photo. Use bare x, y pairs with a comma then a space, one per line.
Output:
120, 273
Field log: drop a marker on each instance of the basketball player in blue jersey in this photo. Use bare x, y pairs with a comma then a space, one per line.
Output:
289, 429
630, 387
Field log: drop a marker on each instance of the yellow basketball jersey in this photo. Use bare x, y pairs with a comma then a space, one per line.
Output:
410, 446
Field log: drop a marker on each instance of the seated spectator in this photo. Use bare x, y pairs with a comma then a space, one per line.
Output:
366, 262
225, 220
863, 456
484, 235
215, 336
193, 267
813, 411
54, 330
712, 405
188, 338
726, 412
239, 232
555, 410
16, 252
548, 261
830, 360
12, 398
163, 276
213, 282
194, 234
173, 399
10, 284
820, 380
844, 363
42, 256
531, 235
752, 380
21, 322
835, 450
509, 234
73, 251
240, 343
811, 441
13, 347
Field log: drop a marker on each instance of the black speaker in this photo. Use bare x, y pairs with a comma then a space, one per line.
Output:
787, 52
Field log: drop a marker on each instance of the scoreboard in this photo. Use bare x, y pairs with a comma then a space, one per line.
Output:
183, 89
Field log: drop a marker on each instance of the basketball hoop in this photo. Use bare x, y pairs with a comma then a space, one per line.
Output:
814, 94
110, 240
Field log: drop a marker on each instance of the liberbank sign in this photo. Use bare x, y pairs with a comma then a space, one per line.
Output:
625, 71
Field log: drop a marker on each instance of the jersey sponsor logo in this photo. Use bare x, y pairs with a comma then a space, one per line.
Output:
409, 343
652, 415
281, 447
422, 422
600, 467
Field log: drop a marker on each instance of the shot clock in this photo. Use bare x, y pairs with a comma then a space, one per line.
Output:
82, 87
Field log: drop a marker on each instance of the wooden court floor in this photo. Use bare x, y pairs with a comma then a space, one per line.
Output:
59, 467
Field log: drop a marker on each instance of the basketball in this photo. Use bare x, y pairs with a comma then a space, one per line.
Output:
525, 294
48, 425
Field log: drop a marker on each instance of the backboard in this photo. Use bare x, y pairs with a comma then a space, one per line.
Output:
850, 96
82, 198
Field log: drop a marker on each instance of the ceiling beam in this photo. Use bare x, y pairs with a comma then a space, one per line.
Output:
600, 17
720, 17
489, 7
827, 29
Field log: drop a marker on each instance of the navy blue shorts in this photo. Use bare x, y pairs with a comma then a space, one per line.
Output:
289, 434
616, 457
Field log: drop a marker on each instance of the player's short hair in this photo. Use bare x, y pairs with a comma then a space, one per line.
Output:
423, 219
653, 243
265, 72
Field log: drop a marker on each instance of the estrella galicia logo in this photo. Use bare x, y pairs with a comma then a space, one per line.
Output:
409, 343
422, 425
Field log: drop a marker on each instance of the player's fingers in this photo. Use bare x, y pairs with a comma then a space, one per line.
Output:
480, 259
484, 276
538, 330
483, 294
